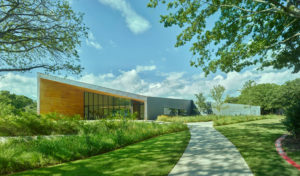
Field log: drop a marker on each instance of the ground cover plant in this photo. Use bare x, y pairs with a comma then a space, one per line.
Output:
156, 156
94, 138
256, 142
218, 120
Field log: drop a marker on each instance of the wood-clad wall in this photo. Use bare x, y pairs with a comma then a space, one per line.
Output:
64, 98
61, 98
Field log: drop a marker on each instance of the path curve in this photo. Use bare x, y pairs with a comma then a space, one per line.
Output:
210, 153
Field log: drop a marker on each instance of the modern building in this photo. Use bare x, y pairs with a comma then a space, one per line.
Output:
70, 97
237, 109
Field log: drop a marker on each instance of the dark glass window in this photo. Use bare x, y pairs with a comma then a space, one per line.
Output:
100, 103
97, 106
86, 98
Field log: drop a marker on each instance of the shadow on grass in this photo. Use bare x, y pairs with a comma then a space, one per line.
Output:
156, 156
255, 141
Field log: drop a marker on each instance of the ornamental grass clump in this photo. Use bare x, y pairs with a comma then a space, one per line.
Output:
226, 120
186, 119
31, 124
217, 120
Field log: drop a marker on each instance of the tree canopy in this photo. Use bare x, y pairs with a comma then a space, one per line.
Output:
270, 97
231, 35
40, 34
15, 104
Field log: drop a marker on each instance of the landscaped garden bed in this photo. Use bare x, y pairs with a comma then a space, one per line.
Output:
156, 156
89, 139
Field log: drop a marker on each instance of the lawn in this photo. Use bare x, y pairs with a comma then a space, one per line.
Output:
218, 120
294, 155
255, 141
156, 156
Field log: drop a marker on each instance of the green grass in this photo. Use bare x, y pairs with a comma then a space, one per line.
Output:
294, 155
186, 119
226, 120
256, 142
95, 138
218, 120
156, 156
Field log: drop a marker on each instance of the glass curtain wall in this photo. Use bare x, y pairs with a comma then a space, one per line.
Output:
97, 106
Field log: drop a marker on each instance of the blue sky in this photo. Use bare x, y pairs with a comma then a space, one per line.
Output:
128, 49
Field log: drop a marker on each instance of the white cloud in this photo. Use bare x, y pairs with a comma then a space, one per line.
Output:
19, 84
145, 68
172, 85
136, 23
91, 41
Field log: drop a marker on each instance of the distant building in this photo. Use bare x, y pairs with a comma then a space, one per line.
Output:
91, 102
237, 109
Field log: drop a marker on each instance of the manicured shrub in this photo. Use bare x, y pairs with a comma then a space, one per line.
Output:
292, 120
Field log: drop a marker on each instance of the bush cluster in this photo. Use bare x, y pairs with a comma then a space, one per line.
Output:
292, 120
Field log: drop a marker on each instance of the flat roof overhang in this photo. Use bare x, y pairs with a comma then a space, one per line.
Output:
91, 88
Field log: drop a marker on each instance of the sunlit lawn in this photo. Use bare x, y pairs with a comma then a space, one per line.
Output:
255, 140
156, 156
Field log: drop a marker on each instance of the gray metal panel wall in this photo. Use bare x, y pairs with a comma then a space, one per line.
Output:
156, 105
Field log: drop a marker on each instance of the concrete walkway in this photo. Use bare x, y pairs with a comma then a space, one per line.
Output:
210, 153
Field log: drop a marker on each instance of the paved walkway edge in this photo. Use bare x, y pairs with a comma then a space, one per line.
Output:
210, 153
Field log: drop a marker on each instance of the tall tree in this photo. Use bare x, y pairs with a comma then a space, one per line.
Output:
290, 93
15, 104
201, 102
230, 99
217, 95
231, 35
266, 95
40, 34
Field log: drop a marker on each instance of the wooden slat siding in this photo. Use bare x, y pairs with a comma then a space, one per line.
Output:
64, 98
61, 98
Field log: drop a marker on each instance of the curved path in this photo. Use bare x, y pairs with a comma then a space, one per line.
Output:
210, 153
